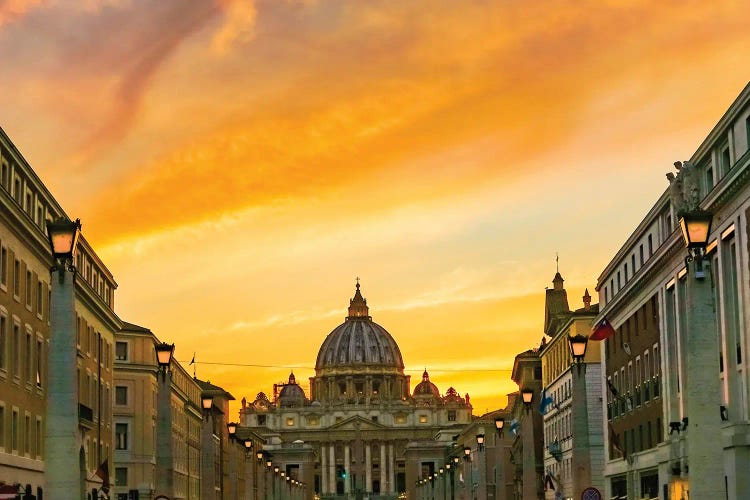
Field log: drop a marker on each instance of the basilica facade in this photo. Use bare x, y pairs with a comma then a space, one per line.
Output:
361, 432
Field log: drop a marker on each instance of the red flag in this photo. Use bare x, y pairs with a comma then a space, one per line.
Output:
602, 331
103, 473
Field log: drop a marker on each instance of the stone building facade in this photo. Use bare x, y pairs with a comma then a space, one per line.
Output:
573, 437
25, 259
135, 417
360, 431
644, 293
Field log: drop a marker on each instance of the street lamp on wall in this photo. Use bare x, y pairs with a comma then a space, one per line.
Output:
467, 453
248, 444
259, 456
696, 227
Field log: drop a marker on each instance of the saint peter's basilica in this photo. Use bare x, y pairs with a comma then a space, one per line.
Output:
361, 432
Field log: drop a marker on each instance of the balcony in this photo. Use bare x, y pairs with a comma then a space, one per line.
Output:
85, 416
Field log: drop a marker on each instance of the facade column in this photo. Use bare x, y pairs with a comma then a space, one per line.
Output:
347, 468
63, 452
332, 469
208, 473
368, 468
382, 469
164, 447
705, 451
323, 469
391, 469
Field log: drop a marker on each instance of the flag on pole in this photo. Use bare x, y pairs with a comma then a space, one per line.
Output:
514, 427
545, 402
103, 473
612, 388
602, 331
615, 441
192, 360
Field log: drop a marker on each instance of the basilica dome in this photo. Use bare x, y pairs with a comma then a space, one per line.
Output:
359, 342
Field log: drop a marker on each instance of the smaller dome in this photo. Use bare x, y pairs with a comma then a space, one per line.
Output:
452, 396
291, 393
426, 388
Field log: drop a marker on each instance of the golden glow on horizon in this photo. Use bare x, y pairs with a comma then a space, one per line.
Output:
236, 164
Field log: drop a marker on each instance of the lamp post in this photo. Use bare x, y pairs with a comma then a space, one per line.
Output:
269, 465
164, 441
481, 465
527, 396
579, 416
208, 472
273, 482
62, 437
702, 385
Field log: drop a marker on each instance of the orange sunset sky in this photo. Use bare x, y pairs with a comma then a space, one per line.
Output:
237, 164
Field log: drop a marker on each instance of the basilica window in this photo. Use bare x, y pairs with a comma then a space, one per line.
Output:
290, 422
451, 415
342, 388
423, 419
261, 420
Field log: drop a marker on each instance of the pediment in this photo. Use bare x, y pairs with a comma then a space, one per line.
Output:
357, 423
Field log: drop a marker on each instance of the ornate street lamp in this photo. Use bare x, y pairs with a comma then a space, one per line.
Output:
269, 464
480, 441
696, 227
467, 453
164, 354
62, 235
207, 401
276, 470
259, 456
499, 424
232, 429
248, 444
527, 395
455, 460
578, 344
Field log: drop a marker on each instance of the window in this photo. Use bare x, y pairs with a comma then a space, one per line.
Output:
618, 280
650, 245
121, 476
726, 162
709, 179
423, 419
39, 298
28, 288
15, 346
39, 361
27, 434
290, 422
632, 263
626, 272
451, 415
121, 395
4, 266
606, 294
261, 420
16, 278
27, 359
374, 418
640, 253
121, 351
14, 431
121, 436
3, 342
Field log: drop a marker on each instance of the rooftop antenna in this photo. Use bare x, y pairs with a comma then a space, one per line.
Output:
557, 261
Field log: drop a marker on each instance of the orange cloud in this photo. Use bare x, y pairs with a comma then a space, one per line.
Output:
238, 25
10, 10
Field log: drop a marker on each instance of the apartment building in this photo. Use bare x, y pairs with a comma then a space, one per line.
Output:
135, 416
572, 412
25, 259
644, 294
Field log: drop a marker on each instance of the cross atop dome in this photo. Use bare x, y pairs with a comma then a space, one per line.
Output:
358, 306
